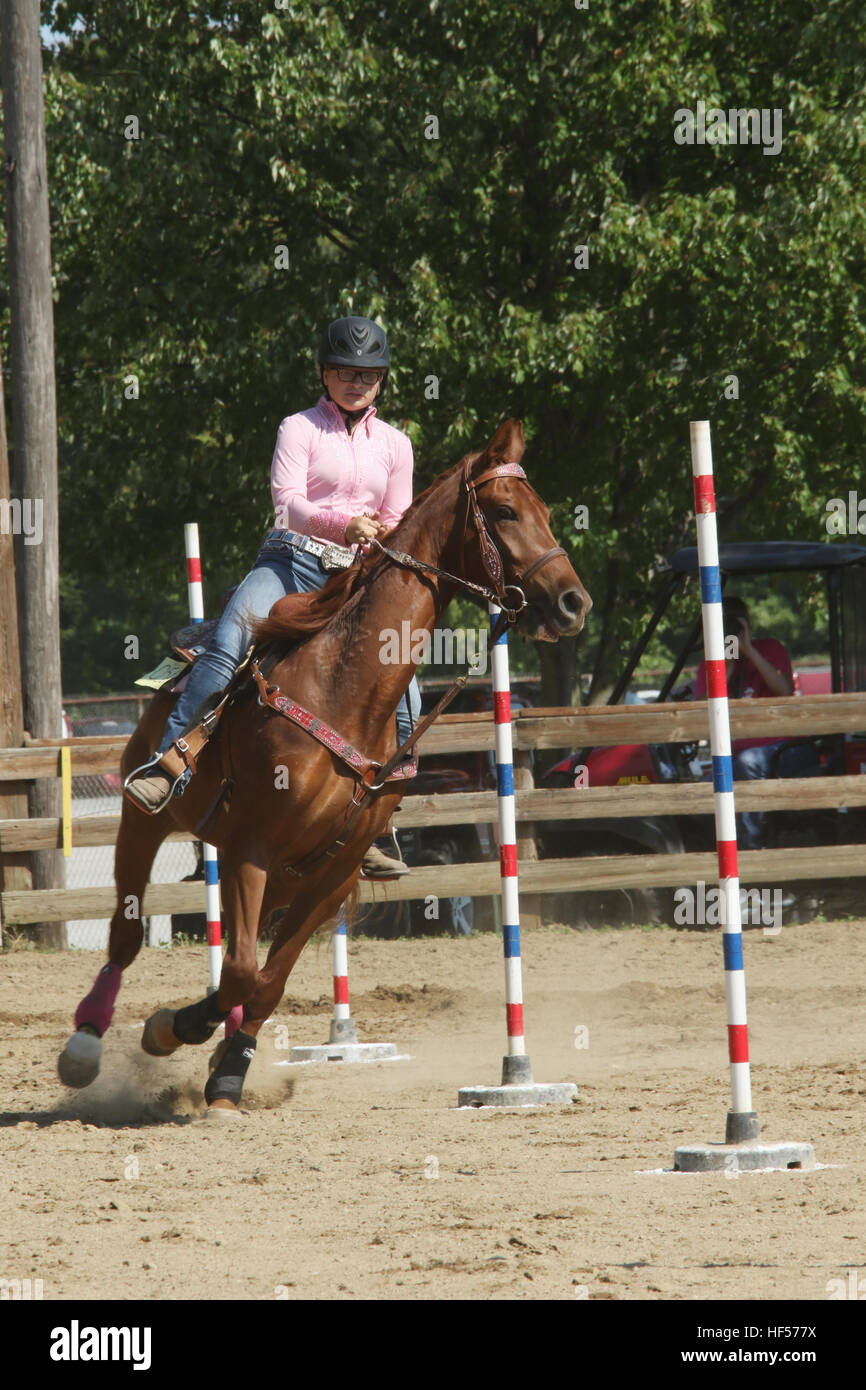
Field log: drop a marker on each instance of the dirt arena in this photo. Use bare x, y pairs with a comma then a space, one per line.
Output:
365, 1181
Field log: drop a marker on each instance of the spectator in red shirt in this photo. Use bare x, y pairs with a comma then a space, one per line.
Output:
760, 670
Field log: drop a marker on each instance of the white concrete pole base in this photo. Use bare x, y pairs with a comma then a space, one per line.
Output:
518, 1088
752, 1156
347, 1052
342, 1031
343, 1046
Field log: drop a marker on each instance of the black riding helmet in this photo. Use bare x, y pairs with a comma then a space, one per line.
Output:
354, 342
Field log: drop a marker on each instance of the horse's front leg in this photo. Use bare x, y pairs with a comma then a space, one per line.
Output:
243, 891
313, 904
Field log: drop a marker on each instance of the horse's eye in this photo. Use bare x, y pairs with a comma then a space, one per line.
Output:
506, 514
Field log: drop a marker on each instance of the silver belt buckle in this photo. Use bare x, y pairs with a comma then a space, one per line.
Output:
335, 557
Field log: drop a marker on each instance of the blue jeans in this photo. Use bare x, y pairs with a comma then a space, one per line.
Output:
798, 760
274, 574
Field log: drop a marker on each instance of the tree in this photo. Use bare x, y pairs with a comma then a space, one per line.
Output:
444, 166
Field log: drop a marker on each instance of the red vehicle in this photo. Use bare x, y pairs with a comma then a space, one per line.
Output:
844, 569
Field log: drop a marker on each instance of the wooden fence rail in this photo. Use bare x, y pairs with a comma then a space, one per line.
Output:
601, 726
479, 808
480, 881
533, 729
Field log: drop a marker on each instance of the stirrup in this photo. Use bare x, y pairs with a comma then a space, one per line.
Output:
177, 787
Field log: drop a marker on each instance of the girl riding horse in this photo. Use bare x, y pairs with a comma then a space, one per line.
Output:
305, 795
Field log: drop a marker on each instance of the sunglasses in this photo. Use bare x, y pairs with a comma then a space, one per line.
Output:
355, 374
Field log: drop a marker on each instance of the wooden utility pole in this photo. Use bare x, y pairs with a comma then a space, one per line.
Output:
32, 506
14, 868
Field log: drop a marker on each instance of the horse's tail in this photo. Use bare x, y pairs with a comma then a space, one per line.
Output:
350, 906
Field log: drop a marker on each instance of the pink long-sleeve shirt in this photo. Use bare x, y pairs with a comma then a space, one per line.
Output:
321, 478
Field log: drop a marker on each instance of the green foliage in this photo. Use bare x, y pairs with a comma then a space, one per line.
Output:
95, 628
305, 127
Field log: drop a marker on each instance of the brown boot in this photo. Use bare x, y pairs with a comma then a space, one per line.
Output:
150, 787
376, 864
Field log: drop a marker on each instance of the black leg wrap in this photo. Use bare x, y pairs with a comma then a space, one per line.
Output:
226, 1081
198, 1022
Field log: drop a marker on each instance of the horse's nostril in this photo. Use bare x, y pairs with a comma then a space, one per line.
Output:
571, 603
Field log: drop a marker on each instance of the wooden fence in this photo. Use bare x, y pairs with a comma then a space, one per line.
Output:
533, 729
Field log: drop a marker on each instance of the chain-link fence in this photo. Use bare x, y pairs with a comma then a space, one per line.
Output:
92, 866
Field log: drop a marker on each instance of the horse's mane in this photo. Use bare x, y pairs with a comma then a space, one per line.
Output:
299, 616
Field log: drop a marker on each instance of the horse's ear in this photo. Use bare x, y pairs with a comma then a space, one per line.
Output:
507, 444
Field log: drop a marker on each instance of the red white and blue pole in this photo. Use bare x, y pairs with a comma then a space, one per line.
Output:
742, 1120
518, 1087
341, 972
343, 1044
211, 867
507, 848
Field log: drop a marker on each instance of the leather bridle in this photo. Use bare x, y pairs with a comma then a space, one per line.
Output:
496, 592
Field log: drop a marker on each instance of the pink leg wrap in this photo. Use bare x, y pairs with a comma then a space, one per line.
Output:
234, 1020
97, 1008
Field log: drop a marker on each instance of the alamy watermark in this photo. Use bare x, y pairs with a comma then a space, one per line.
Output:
846, 520
22, 516
737, 126
443, 647
708, 907
17, 1289
855, 1288
77, 1343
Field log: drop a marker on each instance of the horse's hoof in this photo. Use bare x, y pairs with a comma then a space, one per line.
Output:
78, 1063
222, 1110
158, 1038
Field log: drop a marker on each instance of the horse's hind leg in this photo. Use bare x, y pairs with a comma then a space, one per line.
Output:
138, 840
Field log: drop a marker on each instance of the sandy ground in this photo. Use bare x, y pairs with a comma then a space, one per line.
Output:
366, 1181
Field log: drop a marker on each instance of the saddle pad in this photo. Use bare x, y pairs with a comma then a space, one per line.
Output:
168, 670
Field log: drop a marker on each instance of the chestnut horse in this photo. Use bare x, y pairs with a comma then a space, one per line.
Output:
289, 793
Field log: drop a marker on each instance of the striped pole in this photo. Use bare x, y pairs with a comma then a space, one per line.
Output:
743, 1149
342, 1014
742, 1119
518, 1087
343, 1044
194, 589
509, 892
211, 867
